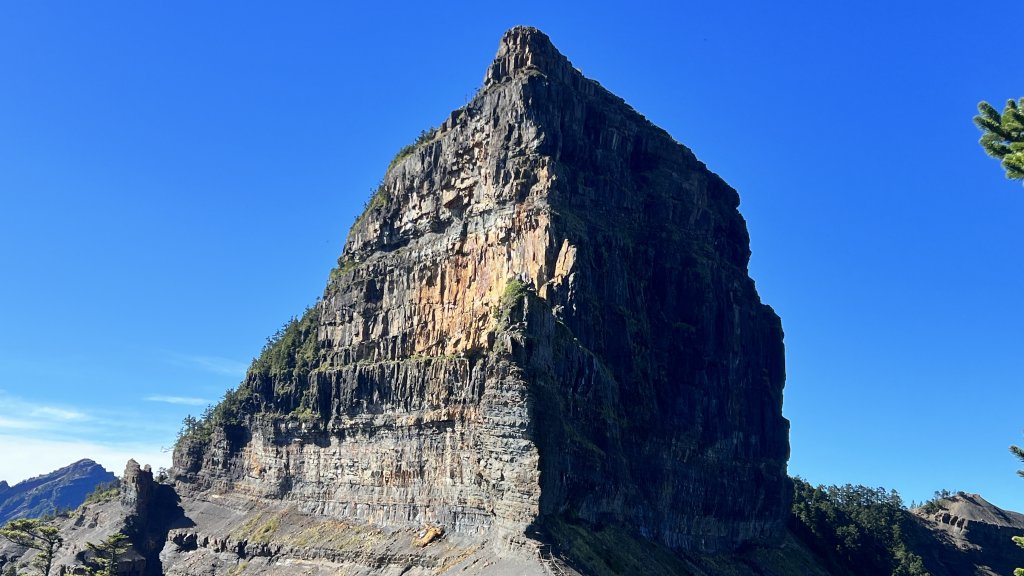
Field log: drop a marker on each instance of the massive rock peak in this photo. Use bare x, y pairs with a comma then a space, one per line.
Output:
543, 317
527, 49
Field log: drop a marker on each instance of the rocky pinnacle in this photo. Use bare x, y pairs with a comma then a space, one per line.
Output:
523, 49
543, 317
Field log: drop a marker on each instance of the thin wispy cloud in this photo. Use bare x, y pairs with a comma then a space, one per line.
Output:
179, 400
55, 413
50, 420
26, 457
212, 364
38, 437
17, 413
18, 424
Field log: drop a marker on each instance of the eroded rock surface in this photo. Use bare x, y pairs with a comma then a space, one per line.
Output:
970, 535
545, 312
230, 536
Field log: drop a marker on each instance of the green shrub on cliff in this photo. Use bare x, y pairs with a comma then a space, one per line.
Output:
291, 350
227, 412
405, 151
378, 198
344, 265
515, 290
104, 493
379, 195
286, 359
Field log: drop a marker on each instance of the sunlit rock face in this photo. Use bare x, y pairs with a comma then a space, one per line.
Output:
544, 313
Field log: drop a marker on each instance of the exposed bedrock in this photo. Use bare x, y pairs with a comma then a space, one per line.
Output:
544, 312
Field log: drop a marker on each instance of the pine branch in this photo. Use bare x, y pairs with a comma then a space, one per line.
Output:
1003, 138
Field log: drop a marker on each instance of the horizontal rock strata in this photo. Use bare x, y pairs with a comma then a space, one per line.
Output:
543, 313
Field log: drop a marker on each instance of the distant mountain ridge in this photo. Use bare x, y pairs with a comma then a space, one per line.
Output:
61, 489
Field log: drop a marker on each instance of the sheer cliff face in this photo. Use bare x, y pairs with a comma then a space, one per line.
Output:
543, 314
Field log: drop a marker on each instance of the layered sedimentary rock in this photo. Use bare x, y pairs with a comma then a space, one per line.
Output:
543, 315
969, 535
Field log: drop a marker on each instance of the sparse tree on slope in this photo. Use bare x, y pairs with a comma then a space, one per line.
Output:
37, 535
1003, 135
107, 554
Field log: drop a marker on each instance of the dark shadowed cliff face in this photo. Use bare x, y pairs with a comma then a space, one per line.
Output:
544, 316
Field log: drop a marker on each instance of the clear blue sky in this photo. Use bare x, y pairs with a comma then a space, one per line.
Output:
178, 178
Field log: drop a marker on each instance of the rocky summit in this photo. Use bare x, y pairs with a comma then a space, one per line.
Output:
543, 316
540, 352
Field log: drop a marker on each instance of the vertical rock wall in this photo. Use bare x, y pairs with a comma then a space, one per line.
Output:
543, 313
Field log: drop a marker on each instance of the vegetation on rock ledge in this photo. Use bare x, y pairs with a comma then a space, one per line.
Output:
104, 493
291, 351
407, 150
344, 265
379, 197
515, 290
936, 503
286, 359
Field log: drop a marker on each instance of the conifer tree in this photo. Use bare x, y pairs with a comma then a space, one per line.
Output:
1003, 135
106, 555
38, 535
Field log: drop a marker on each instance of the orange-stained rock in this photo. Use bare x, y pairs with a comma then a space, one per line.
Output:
544, 313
